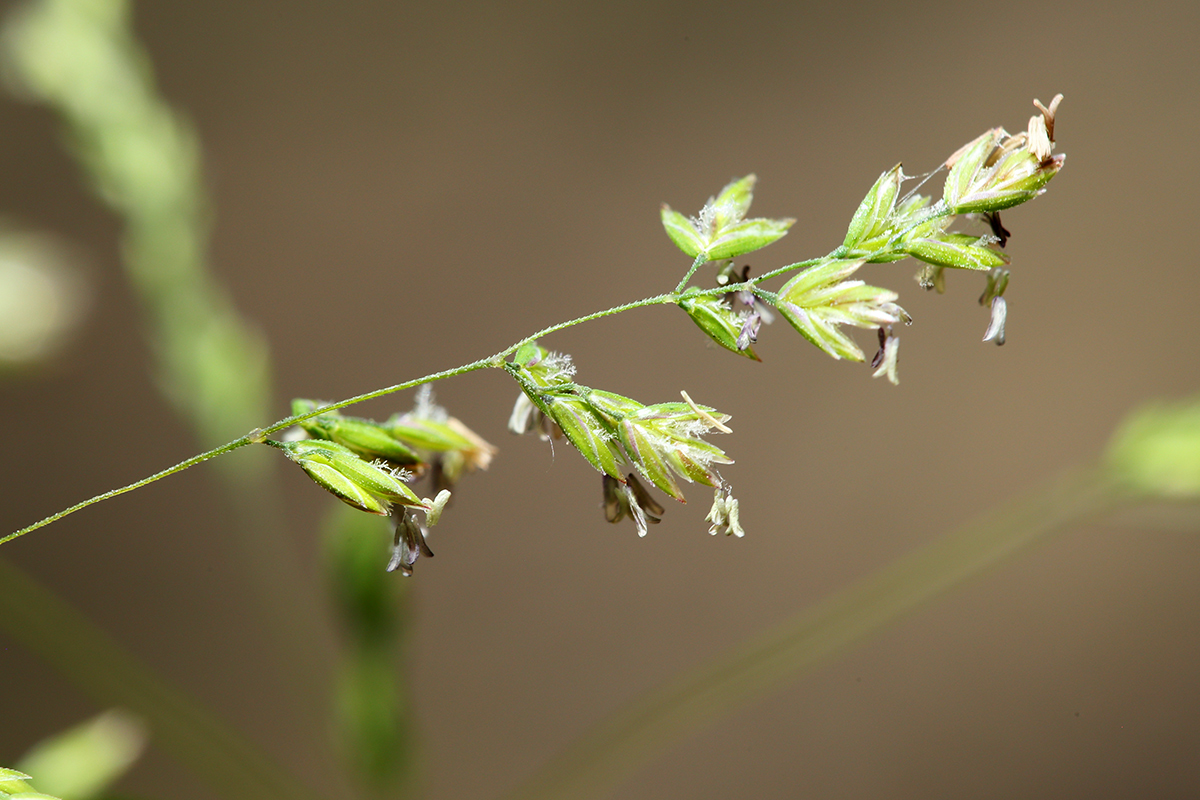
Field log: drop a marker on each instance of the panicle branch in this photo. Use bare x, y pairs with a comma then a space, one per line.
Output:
368, 464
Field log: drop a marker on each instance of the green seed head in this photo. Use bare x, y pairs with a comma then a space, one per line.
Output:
819, 300
724, 326
872, 222
956, 250
370, 487
365, 437
721, 231
586, 432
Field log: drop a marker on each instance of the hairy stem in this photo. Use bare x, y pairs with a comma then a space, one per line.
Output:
695, 266
649, 301
812, 262
258, 435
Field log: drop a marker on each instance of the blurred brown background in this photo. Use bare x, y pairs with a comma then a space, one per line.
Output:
401, 188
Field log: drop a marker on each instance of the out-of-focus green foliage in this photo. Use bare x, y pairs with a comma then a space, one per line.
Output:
83, 761
42, 297
80, 58
372, 702
1157, 450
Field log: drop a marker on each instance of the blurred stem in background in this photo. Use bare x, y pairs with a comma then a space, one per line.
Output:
375, 733
628, 740
80, 58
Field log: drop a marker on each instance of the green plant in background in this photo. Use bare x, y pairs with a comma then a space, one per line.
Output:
42, 297
80, 763
83, 762
372, 708
80, 58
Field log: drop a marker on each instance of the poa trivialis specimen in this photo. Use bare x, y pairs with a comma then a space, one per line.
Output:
639, 447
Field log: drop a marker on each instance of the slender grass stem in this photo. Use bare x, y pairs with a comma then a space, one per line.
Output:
695, 266
256, 436
766, 276
649, 301
182, 465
